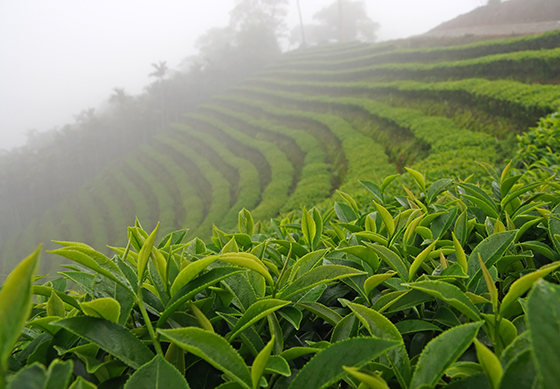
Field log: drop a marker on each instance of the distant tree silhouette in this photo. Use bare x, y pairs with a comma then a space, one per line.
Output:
343, 20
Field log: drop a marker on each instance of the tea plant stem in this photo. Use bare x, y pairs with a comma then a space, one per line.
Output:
153, 335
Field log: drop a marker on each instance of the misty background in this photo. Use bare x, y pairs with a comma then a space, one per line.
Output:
63, 57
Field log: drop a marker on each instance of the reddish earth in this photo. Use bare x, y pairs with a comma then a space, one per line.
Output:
513, 17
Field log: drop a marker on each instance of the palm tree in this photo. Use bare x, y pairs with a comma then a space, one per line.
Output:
160, 72
119, 96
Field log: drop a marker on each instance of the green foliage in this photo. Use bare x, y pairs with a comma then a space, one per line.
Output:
540, 146
423, 289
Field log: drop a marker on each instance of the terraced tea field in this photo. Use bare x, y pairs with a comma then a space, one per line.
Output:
317, 121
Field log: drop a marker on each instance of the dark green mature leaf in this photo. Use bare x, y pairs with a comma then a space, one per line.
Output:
478, 381
277, 365
157, 374
59, 374
520, 373
554, 227
326, 367
213, 349
392, 259
317, 276
15, 306
111, 337
256, 312
322, 311
381, 327
543, 319
411, 326
81, 383
345, 328
450, 294
436, 188
30, 377
491, 250
441, 353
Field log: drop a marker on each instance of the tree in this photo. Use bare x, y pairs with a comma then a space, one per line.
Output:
260, 13
343, 20
159, 73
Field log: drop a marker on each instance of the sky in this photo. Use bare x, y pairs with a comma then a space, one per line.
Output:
60, 57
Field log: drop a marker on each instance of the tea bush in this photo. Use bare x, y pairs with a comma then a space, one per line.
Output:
447, 284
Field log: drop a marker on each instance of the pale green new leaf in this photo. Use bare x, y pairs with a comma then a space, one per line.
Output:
308, 228
190, 272
377, 279
490, 364
144, 255
15, 305
106, 307
419, 260
371, 381
254, 313
260, 362
317, 276
249, 261
523, 284
387, 219
55, 306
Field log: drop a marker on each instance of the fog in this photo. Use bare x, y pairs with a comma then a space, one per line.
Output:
59, 57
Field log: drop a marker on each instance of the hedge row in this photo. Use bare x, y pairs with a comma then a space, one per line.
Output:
525, 102
363, 56
534, 65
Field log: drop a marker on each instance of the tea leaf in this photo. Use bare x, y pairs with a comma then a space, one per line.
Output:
111, 337
491, 250
441, 353
144, 255
490, 363
15, 305
157, 374
308, 228
260, 362
59, 374
372, 381
523, 284
543, 312
254, 313
450, 294
326, 367
317, 276
213, 349
381, 327
106, 307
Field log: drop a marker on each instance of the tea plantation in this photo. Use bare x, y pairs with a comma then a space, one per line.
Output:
349, 218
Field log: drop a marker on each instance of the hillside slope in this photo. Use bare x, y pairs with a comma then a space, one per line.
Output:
508, 12
318, 121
